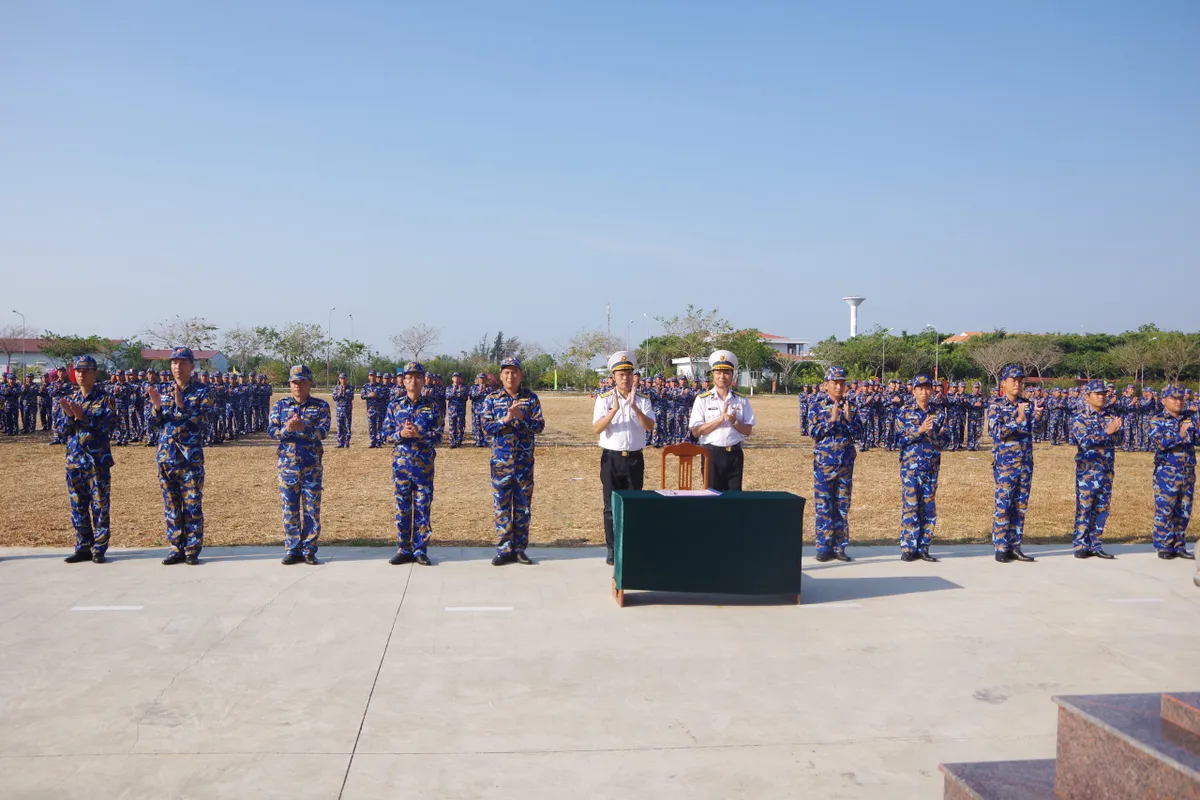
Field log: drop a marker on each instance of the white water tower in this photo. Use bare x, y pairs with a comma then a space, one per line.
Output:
854, 303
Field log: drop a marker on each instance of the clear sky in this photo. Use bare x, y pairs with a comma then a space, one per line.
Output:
517, 165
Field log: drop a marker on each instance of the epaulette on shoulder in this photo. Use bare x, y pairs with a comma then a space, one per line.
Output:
607, 394
707, 394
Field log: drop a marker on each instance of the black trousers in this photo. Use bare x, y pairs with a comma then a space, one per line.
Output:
725, 468
618, 472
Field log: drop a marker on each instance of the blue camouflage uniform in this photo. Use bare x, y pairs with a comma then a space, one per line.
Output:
920, 463
456, 410
977, 403
412, 466
1012, 466
478, 396
833, 469
89, 464
299, 465
1095, 458
45, 401
1174, 478
29, 405
512, 462
343, 401
180, 458
376, 395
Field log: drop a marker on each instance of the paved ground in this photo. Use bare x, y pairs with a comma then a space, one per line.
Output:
242, 678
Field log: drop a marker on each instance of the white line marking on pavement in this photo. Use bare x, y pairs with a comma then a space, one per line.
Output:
107, 608
479, 608
1135, 600
834, 605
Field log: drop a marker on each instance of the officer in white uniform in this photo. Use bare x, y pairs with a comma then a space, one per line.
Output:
721, 421
623, 419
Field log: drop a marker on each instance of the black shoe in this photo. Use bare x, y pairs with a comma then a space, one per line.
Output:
609, 558
925, 556
1084, 554
422, 559
1165, 555
1017, 555
400, 558
1102, 554
98, 558
174, 558
191, 559
909, 556
311, 558
1184, 554
840, 555
521, 558
824, 556
501, 559
79, 556
291, 558
1003, 556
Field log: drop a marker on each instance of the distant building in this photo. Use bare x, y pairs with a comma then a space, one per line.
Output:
959, 338
784, 345
28, 356
205, 359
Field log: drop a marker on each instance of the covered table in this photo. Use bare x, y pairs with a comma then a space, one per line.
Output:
717, 543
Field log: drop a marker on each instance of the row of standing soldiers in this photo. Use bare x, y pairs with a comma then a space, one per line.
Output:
877, 408
239, 406
21, 403
449, 401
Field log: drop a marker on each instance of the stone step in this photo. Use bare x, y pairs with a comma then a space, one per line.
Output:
1119, 746
1182, 709
1000, 780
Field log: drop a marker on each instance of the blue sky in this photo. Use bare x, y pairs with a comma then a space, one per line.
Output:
516, 166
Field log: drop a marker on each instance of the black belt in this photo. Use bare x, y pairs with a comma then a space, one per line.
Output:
729, 449
623, 453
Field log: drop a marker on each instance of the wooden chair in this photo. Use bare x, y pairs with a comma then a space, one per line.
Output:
686, 453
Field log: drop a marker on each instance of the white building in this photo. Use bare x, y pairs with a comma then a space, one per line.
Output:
746, 378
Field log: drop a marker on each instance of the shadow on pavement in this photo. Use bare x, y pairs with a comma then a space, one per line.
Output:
838, 590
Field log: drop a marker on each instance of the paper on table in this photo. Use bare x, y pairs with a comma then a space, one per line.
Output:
688, 492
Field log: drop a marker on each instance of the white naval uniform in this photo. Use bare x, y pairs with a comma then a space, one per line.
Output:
724, 444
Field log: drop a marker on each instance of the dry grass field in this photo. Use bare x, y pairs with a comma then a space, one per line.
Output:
241, 501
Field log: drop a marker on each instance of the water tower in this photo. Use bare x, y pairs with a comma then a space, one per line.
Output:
854, 303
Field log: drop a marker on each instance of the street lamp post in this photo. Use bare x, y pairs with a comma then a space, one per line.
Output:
329, 342
351, 327
646, 344
24, 369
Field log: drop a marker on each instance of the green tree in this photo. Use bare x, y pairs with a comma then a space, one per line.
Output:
62, 349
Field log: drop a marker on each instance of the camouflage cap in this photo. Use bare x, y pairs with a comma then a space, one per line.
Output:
1096, 386
414, 368
922, 380
835, 374
1173, 390
182, 354
300, 372
456, 375
82, 362
512, 362
370, 372
1012, 371
340, 375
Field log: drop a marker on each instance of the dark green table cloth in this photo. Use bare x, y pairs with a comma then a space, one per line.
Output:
734, 543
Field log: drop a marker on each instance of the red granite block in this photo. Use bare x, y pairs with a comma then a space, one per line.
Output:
999, 780
1182, 709
1117, 747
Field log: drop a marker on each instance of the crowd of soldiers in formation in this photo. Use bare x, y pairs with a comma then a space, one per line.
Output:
240, 404
878, 405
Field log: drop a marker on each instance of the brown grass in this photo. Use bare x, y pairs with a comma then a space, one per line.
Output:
241, 500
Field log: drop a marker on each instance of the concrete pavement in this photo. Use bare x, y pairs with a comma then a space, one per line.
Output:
242, 678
